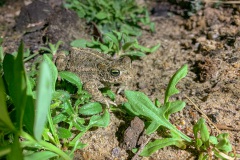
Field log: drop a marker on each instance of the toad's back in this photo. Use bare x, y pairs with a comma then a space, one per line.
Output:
85, 63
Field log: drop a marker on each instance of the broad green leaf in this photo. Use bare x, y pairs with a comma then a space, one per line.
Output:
101, 15
78, 123
16, 150
171, 89
63, 133
174, 107
43, 101
152, 147
152, 127
109, 93
128, 107
113, 38
59, 118
224, 143
14, 74
200, 127
61, 95
82, 43
53, 71
4, 117
141, 104
213, 140
99, 121
128, 45
72, 78
91, 108
104, 48
41, 155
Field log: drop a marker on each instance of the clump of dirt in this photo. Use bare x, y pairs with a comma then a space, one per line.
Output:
208, 41
39, 24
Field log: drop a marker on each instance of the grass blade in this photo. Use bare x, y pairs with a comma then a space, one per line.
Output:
14, 74
44, 95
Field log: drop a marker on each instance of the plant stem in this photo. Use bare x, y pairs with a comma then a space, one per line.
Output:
30, 57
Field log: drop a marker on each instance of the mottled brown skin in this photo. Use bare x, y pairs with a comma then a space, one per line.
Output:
96, 70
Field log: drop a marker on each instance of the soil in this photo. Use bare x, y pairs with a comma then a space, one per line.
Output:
208, 41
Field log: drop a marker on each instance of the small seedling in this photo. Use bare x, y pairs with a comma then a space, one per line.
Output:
53, 48
140, 105
210, 147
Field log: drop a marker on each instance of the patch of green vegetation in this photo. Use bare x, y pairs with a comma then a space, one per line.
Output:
123, 16
45, 117
140, 105
49, 119
116, 43
119, 23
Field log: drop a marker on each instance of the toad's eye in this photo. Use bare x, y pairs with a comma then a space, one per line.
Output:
115, 72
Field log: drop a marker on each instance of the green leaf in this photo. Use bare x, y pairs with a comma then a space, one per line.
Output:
174, 107
201, 127
134, 53
4, 117
141, 104
213, 140
40, 155
128, 107
14, 74
99, 121
224, 143
152, 147
63, 133
152, 127
101, 15
72, 78
59, 118
109, 93
82, 43
53, 71
91, 108
128, 45
111, 37
171, 89
43, 101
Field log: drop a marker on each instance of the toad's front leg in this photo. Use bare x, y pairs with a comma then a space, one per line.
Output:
92, 87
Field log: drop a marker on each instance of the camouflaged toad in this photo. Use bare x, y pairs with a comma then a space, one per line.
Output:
96, 70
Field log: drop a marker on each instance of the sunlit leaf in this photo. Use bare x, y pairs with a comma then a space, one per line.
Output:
91, 108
